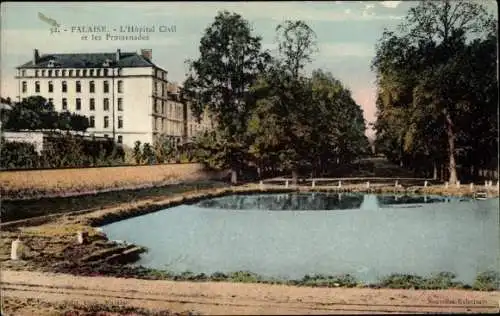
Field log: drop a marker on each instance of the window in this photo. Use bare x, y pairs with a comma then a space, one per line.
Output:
92, 121
163, 107
78, 86
64, 86
78, 104
92, 87
43, 73
120, 104
49, 73
120, 139
92, 104
106, 86
70, 73
120, 86
77, 72
120, 122
91, 72
98, 72
51, 101
23, 73
106, 135
105, 71
106, 104
36, 73
56, 73
64, 104
84, 72
106, 121
51, 87
63, 73
155, 88
37, 86
24, 86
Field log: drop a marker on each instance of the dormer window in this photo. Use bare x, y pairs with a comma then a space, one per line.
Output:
107, 62
52, 63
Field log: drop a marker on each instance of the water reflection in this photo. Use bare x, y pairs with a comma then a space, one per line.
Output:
319, 201
286, 202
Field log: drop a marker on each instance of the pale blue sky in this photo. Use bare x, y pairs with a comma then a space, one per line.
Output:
347, 32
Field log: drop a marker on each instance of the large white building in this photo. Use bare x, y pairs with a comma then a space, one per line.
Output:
124, 95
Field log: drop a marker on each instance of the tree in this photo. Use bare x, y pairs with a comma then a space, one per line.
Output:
421, 74
230, 60
137, 152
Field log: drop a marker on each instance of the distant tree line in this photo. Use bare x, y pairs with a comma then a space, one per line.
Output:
438, 91
268, 113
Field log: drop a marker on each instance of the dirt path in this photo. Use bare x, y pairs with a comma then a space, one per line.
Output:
236, 298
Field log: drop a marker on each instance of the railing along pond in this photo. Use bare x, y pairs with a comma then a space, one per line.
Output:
369, 182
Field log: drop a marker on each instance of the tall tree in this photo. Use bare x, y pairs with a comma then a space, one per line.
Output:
230, 60
421, 76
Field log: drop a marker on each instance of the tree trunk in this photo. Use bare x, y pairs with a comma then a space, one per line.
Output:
452, 167
435, 171
234, 176
295, 176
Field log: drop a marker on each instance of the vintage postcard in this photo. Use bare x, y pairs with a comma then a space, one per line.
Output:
229, 158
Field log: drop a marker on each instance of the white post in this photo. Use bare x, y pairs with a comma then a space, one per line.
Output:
286, 184
472, 186
497, 185
313, 184
425, 198
446, 185
396, 184
340, 184
426, 183
368, 184
81, 237
261, 184
16, 251
458, 184
486, 183
491, 183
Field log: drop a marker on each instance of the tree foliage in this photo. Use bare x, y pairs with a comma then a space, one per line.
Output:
435, 88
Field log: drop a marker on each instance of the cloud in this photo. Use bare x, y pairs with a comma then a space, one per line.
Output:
275, 11
390, 4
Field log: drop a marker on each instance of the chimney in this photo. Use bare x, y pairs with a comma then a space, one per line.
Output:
118, 52
147, 53
36, 56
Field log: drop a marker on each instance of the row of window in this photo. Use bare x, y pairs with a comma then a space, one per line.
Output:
105, 122
159, 124
78, 86
71, 73
173, 111
78, 104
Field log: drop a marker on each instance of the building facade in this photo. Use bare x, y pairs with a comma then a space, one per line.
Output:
124, 95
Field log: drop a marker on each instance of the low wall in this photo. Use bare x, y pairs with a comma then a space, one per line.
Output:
65, 182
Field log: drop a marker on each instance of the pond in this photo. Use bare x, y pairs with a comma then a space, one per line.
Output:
293, 234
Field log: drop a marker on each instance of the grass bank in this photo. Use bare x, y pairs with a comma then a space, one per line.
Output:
485, 281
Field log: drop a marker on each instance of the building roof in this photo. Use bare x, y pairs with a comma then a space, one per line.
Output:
89, 60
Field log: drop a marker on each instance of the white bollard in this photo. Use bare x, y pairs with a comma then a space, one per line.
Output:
425, 198
340, 184
446, 185
472, 186
491, 183
396, 184
426, 183
368, 184
313, 184
81, 237
16, 251
286, 184
261, 185
458, 184
486, 183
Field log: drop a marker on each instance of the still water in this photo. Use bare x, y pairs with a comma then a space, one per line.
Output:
293, 234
